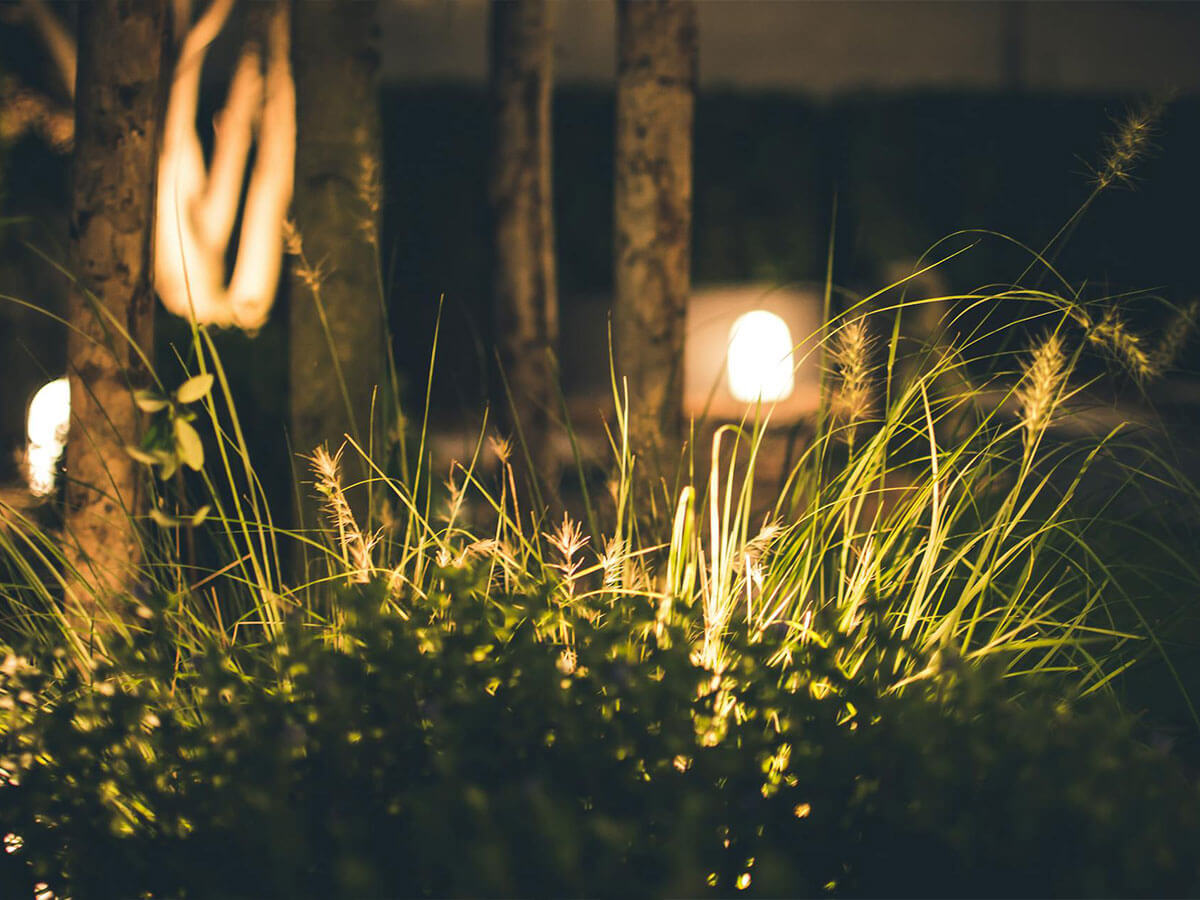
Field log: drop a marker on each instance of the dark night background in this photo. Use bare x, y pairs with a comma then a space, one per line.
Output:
921, 119
874, 128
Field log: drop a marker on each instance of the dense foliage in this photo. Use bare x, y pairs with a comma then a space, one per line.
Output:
457, 754
902, 682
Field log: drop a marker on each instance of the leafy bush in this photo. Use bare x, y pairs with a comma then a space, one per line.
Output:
455, 754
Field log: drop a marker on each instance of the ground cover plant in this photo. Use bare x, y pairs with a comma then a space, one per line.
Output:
896, 672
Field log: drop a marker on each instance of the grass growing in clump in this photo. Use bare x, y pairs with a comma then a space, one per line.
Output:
894, 674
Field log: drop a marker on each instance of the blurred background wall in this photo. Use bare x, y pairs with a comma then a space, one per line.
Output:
914, 119
823, 48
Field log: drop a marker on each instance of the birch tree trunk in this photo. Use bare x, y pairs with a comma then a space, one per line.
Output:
119, 112
523, 275
656, 88
336, 321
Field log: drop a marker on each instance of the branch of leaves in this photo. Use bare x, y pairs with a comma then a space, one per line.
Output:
171, 441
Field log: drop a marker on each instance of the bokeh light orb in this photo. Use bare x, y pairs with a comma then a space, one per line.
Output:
49, 419
760, 361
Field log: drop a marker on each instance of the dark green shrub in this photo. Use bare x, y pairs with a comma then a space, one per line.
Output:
460, 756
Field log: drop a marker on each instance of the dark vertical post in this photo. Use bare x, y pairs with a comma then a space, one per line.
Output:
118, 121
656, 90
336, 321
523, 273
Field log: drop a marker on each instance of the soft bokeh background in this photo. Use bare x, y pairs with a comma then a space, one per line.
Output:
916, 119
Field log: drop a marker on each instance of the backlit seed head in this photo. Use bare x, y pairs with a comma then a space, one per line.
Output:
501, 447
292, 244
1041, 384
1127, 145
1114, 335
1175, 336
850, 352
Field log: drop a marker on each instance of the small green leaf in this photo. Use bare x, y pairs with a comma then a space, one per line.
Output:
166, 520
163, 519
187, 440
148, 401
194, 388
142, 456
170, 463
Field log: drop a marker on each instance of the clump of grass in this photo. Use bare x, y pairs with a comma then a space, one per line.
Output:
967, 537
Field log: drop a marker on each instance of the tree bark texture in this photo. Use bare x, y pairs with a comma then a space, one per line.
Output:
524, 276
656, 89
119, 112
336, 321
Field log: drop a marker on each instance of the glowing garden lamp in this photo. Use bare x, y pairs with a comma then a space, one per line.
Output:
49, 419
752, 343
760, 361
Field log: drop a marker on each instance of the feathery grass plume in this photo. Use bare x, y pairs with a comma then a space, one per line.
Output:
355, 546
292, 245
1044, 376
1175, 336
485, 547
754, 548
851, 355
369, 186
568, 539
612, 562
1114, 335
501, 448
384, 512
1127, 145
312, 275
455, 494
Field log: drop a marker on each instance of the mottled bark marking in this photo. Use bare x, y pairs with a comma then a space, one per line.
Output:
336, 208
119, 108
656, 85
524, 277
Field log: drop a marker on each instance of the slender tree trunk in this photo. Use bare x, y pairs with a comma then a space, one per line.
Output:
119, 112
336, 323
523, 276
656, 88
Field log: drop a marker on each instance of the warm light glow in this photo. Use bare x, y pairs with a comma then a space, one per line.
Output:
760, 358
49, 418
198, 204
